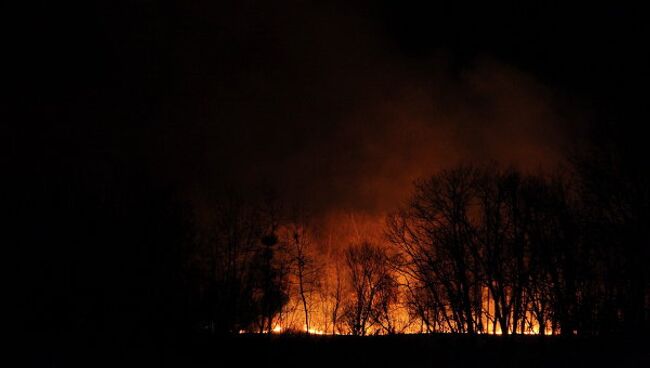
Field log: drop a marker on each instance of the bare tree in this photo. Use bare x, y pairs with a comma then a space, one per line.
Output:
300, 247
371, 281
242, 282
336, 297
503, 246
436, 235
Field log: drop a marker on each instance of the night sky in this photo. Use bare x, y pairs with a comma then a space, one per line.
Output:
336, 105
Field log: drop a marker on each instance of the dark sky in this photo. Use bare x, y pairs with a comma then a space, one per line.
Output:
336, 105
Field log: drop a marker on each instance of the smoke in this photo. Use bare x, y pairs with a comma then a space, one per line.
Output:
320, 103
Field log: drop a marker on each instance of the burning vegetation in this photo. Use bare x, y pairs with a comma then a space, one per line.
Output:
476, 250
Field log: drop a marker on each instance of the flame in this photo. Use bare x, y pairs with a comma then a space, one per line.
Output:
292, 319
314, 331
277, 329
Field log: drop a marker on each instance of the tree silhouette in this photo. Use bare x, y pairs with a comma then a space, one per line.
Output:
372, 285
304, 268
436, 235
243, 280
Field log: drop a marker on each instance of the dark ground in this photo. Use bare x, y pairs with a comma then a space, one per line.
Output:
373, 351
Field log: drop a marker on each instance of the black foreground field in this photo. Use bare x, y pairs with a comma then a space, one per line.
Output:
373, 351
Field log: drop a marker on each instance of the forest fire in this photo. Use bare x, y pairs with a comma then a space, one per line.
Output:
476, 250
407, 325
532, 328
327, 183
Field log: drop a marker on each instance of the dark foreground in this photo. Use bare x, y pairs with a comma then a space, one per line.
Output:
373, 351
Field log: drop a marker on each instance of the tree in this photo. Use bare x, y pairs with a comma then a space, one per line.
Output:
332, 292
305, 271
436, 235
372, 284
614, 192
483, 245
243, 281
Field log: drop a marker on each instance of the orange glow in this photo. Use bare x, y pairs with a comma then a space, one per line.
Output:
292, 319
342, 229
314, 331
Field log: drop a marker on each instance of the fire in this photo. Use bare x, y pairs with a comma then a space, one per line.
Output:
314, 331
292, 319
277, 329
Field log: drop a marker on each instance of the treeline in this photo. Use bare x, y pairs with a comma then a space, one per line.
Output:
489, 250
496, 250
477, 249
236, 268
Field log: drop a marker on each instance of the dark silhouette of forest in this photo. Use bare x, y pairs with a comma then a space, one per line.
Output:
118, 262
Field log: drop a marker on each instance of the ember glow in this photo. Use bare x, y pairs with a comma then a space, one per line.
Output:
475, 250
321, 323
